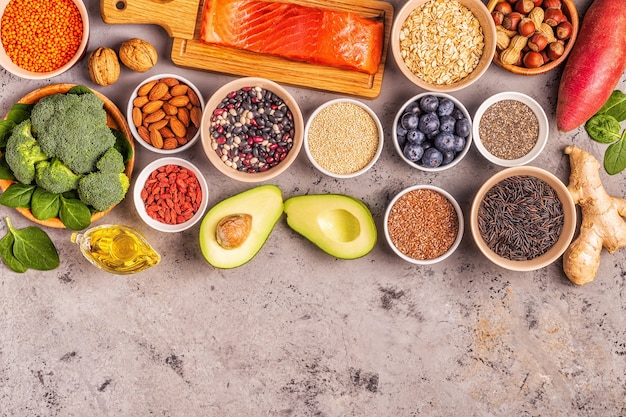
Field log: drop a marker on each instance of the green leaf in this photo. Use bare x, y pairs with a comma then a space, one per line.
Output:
5, 170
33, 248
6, 128
19, 112
74, 214
122, 145
615, 106
6, 252
17, 195
615, 156
79, 89
603, 128
44, 204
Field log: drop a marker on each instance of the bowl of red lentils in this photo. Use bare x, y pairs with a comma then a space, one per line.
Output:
343, 138
252, 129
42, 38
443, 45
170, 194
423, 224
510, 129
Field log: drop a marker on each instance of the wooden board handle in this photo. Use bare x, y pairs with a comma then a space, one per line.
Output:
177, 17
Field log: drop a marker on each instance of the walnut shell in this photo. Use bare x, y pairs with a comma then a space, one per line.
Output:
138, 55
104, 67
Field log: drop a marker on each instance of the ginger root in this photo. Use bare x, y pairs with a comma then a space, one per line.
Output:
602, 224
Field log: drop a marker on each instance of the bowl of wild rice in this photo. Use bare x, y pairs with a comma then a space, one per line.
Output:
343, 138
443, 45
523, 218
423, 224
510, 129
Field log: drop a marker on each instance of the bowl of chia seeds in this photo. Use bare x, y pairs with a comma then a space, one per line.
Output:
510, 129
523, 218
423, 224
343, 138
252, 129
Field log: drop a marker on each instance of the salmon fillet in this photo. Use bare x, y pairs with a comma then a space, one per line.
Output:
302, 33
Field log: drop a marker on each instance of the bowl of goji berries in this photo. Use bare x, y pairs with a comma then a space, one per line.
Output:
170, 194
42, 38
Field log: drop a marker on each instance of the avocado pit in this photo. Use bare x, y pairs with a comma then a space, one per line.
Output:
233, 230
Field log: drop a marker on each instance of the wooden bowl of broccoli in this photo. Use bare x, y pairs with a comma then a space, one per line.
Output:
53, 174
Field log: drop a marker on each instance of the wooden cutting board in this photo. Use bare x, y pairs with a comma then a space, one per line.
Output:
181, 21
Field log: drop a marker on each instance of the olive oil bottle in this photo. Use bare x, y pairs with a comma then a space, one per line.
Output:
116, 248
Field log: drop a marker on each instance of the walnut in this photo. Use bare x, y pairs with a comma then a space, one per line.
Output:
104, 67
138, 55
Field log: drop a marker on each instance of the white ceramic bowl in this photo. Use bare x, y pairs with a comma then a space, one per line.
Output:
129, 115
338, 147
399, 148
455, 244
141, 208
7, 64
542, 137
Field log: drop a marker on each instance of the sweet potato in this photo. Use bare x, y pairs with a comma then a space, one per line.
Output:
595, 65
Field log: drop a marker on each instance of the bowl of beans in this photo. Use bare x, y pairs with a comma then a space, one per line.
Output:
523, 218
510, 129
423, 224
42, 38
533, 37
343, 138
164, 113
443, 45
432, 131
170, 194
252, 129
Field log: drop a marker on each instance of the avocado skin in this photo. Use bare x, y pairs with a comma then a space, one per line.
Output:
264, 203
340, 225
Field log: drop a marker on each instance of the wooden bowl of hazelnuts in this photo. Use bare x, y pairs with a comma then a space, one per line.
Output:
533, 36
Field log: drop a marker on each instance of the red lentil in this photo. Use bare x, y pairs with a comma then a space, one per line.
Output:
41, 35
171, 194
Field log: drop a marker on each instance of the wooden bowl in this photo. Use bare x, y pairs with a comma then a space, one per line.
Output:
569, 9
115, 120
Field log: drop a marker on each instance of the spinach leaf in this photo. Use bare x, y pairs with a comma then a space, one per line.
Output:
44, 204
615, 156
33, 248
79, 89
6, 252
5, 170
74, 214
19, 112
123, 145
603, 128
6, 128
615, 106
17, 195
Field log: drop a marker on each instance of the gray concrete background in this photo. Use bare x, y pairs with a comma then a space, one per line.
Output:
296, 332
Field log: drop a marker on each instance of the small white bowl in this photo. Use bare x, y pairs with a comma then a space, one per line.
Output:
542, 137
129, 115
454, 245
334, 107
399, 149
8, 64
141, 208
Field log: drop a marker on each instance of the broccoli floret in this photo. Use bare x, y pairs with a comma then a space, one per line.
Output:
55, 176
23, 152
111, 161
73, 128
101, 189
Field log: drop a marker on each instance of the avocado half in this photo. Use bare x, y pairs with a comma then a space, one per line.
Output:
264, 206
340, 225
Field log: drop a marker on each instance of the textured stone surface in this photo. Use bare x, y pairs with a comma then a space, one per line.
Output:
298, 333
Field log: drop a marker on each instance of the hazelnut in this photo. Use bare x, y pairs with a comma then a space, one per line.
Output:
138, 55
104, 67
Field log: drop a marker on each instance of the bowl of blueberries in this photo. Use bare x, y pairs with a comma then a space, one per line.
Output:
432, 131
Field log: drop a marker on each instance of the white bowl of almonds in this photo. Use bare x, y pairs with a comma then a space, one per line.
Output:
164, 113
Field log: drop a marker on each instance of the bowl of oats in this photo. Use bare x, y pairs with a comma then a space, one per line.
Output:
443, 45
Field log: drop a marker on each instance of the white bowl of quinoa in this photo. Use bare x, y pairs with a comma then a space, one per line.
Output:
343, 138
423, 224
443, 45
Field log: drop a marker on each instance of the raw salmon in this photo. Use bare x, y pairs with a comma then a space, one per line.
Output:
297, 32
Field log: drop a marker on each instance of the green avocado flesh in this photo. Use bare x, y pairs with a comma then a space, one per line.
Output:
340, 225
263, 203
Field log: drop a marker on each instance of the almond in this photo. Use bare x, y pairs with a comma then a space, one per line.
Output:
154, 117
169, 109
170, 81
143, 133
166, 132
179, 90
183, 116
177, 127
170, 143
193, 98
158, 125
140, 101
158, 91
179, 101
181, 140
195, 114
156, 139
137, 116
145, 88
152, 106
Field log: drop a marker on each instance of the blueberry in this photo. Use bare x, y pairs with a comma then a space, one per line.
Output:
447, 124
413, 152
429, 103
415, 136
463, 128
446, 107
457, 114
459, 143
401, 140
428, 123
413, 107
401, 131
409, 121
445, 142
427, 144
432, 158
448, 157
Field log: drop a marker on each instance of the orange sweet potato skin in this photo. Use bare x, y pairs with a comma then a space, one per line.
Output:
595, 65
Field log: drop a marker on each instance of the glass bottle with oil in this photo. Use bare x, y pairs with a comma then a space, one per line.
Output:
116, 248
